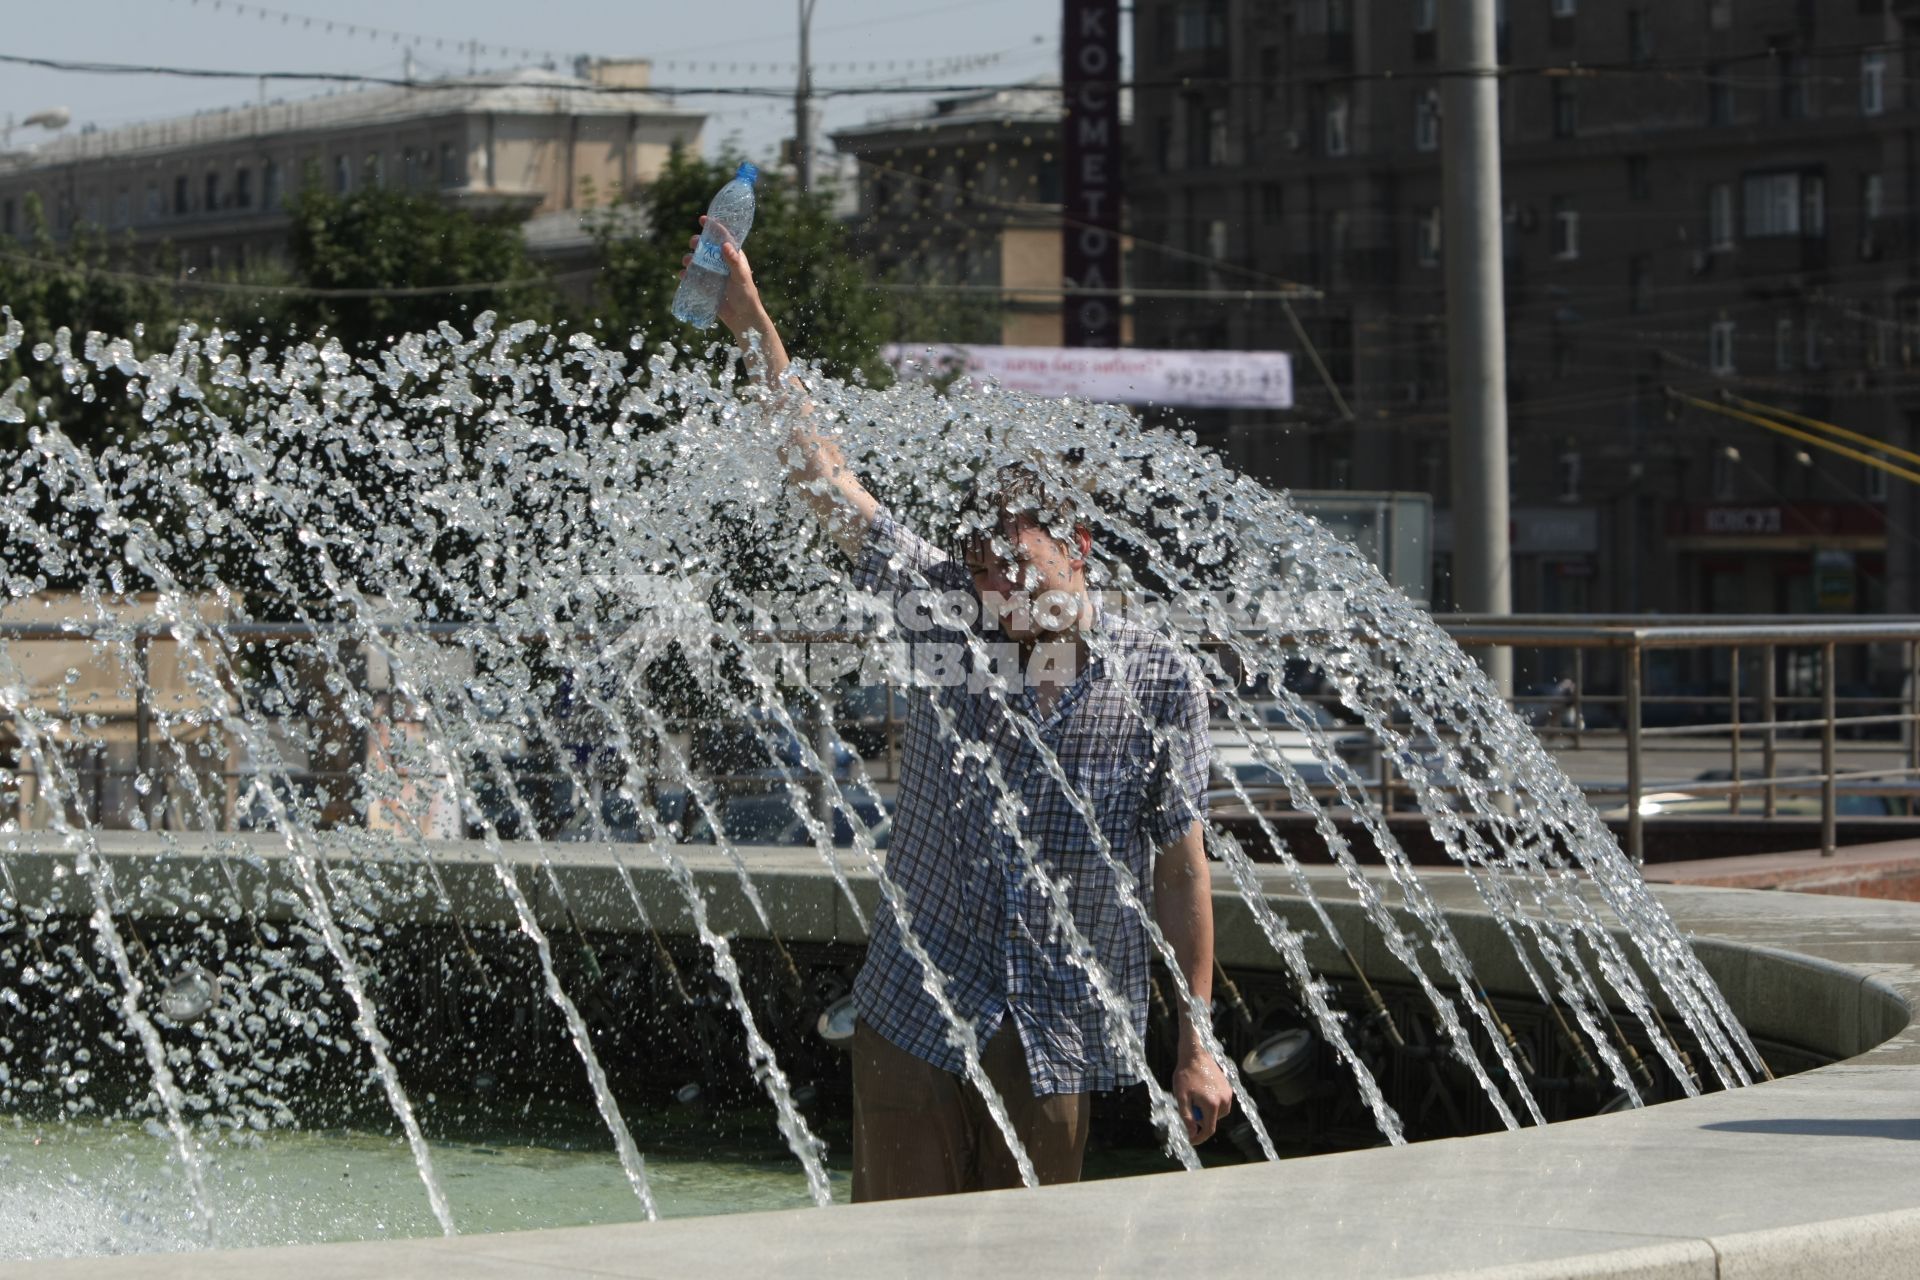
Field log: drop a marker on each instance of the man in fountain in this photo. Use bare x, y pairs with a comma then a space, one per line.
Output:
1128, 729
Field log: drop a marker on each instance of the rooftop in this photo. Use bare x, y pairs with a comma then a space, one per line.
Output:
527, 91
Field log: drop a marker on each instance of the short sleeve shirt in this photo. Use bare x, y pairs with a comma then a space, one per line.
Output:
1129, 735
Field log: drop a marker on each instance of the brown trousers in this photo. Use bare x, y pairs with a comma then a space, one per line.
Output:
921, 1131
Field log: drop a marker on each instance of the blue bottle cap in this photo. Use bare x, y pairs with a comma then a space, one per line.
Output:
749, 172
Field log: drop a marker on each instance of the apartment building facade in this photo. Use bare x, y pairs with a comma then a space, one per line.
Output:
965, 197
1708, 196
215, 186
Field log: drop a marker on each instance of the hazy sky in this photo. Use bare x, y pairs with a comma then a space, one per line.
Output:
744, 42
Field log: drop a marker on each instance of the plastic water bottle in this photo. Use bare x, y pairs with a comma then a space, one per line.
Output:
729, 218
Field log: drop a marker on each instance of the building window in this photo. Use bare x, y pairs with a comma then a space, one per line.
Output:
376, 169
1639, 180
1784, 347
1639, 38
1720, 347
270, 185
1873, 83
1570, 476
1566, 229
449, 166
152, 209
1640, 283
122, 207
212, 201
1876, 481
1719, 97
1872, 197
1199, 26
1813, 344
1272, 203
1725, 459
180, 195
1720, 14
1217, 136
1427, 246
1426, 121
1784, 204
342, 175
1793, 87
1813, 206
1423, 16
243, 188
1720, 217
1336, 133
1566, 109
1564, 8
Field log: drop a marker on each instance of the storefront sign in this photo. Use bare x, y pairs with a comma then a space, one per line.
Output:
1091, 174
1803, 521
1193, 379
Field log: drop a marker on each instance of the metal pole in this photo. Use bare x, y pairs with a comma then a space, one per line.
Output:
1636, 844
803, 104
1476, 318
1828, 789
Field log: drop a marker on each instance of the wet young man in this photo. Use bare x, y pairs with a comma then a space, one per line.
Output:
1112, 703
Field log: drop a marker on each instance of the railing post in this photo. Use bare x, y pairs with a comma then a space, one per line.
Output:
1829, 791
1913, 724
1770, 739
1579, 684
1733, 689
143, 763
1636, 845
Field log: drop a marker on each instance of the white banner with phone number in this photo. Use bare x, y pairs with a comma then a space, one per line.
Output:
1187, 379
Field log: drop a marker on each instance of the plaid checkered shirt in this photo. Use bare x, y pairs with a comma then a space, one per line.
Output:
983, 922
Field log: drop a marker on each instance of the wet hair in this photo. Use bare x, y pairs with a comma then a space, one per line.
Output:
1019, 489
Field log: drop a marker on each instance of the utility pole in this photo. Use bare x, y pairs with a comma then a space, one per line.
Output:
1476, 318
803, 103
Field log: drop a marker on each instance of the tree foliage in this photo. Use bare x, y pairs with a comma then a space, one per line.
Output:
387, 241
816, 289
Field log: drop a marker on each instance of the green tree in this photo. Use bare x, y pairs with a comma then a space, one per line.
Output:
813, 284
388, 243
84, 283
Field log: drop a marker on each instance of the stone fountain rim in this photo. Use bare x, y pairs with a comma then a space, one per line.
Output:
1813, 1172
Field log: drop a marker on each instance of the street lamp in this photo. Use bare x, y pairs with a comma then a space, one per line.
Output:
53, 119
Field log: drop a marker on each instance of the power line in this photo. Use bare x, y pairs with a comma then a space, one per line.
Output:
1564, 70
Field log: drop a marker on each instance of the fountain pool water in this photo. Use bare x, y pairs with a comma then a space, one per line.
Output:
503, 583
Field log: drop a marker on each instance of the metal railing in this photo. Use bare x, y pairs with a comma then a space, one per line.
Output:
1761, 695
1777, 646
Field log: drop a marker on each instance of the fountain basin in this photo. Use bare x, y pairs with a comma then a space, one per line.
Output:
1818, 1172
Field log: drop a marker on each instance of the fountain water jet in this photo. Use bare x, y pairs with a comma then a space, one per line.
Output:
464, 501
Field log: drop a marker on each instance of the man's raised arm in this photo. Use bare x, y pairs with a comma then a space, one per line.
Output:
816, 468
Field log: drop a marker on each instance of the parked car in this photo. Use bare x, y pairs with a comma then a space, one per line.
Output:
769, 818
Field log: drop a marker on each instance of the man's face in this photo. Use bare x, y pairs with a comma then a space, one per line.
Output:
1030, 582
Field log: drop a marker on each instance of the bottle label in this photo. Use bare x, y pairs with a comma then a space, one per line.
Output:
708, 256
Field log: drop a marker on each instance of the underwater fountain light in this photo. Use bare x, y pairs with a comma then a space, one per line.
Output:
688, 1095
1284, 1064
190, 992
835, 1023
